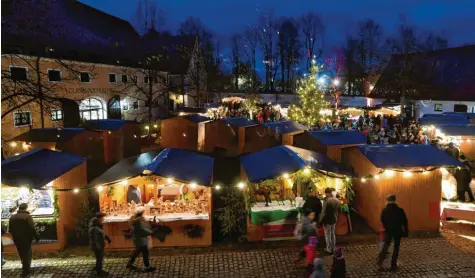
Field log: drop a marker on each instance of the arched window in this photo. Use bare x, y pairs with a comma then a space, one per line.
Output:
91, 109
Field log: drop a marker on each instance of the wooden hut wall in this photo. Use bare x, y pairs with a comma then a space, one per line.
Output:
220, 135
258, 138
201, 136
113, 150
306, 141
45, 145
179, 133
131, 139
468, 148
335, 151
70, 202
419, 195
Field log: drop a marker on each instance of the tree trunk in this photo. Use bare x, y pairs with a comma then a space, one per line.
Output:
40, 91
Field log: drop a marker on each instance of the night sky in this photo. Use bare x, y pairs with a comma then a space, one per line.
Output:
451, 18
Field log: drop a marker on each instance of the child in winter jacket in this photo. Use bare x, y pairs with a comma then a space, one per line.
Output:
310, 253
338, 269
318, 270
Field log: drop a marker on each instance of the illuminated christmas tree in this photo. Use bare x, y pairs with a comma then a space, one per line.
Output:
311, 101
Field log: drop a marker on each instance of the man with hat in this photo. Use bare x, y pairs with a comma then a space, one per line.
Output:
23, 232
140, 232
329, 217
394, 221
97, 238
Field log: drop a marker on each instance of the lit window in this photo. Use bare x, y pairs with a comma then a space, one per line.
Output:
54, 75
438, 107
124, 78
112, 78
56, 115
125, 106
85, 77
22, 118
18, 73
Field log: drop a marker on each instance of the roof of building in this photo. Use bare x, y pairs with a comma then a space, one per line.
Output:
107, 124
338, 137
468, 115
239, 122
48, 135
440, 120
457, 130
407, 156
273, 162
284, 127
37, 167
445, 74
183, 165
126, 168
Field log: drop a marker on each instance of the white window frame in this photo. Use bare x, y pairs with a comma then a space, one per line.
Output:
441, 107
60, 75
125, 106
57, 120
23, 67
109, 77
88, 73
26, 111
127, 78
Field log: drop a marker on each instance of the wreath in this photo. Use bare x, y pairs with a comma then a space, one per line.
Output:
193, 231
160, 232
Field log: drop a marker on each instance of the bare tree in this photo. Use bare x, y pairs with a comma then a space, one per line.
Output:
236, 60
267, 36
289, 51
313, 36
149, 16
251, 40
352, 69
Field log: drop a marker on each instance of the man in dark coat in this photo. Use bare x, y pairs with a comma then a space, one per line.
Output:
394, 221
313, 203
453, 151
329, 217
97, 238
464, 177
23, 232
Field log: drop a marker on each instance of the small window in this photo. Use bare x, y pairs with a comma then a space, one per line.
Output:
112, 78
54, 75
461, 108
22, 118
125, 106
135, 105
155, 80
56, 115
145, 79
134, 79
85, 77
124, 78
18, 73
438, 107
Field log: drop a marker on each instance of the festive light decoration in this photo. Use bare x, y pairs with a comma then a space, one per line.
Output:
285, 175
311, 101
241, 185
169, 180
100, 188
76, 190
193, 185
13, 144
124, 182
217, 187
389, 173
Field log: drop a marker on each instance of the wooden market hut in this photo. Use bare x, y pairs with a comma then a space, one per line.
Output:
271, 134
418, 193
437, 119
227, 136
43, 171
329, 142
281, 161
121, 138
469, 116
153, 174
184, 132
464, 134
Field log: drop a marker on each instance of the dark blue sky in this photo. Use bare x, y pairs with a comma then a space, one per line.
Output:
454, 19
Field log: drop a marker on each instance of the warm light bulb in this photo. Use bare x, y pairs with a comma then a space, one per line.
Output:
169, 180
217, 187
389, 173
407, 174
347, 179
76, 190
443, 170
147, 127
241, 185
155, 126
184, 134
376, 177
363, 180
425, 172
124, 182
100, 188
306, 171
193, 185
13, 144
285, 175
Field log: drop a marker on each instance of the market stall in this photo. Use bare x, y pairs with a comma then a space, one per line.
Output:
50, 183
414, 173
437, 119
184, 132
278, 179
384, 110
352, 112
172, 187
462, 136
329, 142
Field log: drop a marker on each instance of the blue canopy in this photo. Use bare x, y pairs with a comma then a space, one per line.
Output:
48, 135
338, 137
432, 120
273, 162
126, 168
468, 115
457, 130
197, 118
239, 122
37, 167
407, 156
183, 165
109, 124
283, 127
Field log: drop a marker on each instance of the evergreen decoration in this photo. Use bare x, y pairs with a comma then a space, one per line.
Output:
110, 190
55, 205
234, 212
193, 231
85, 214
311, 101
160, 232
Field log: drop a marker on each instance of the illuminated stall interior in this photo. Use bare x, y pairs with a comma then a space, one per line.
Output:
280, 177
416, 174
173, 189
48, 181
462, 136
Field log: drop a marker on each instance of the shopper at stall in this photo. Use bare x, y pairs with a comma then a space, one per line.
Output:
23, 232
464, 177
140, 232
313, 203
97, 238
452, 150
394, 221
186, 193
329, 217
133, 194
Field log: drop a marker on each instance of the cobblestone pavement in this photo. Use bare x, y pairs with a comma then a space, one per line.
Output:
418, 258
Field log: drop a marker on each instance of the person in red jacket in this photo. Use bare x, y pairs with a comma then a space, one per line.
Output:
310, 253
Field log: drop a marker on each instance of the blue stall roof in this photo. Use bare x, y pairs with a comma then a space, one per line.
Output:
273, 162
37, 167
239, 122
283, 127
338, 137
109, 124
183, 165
457, 130
407, 156
48, 134
196, 118
433, 120
468, 115
126, 168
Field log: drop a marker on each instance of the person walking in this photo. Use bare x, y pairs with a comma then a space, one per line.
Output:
318, 268
464, 178
394, 221
140, 232
97, 238
329, 217
338, 268
23, 232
